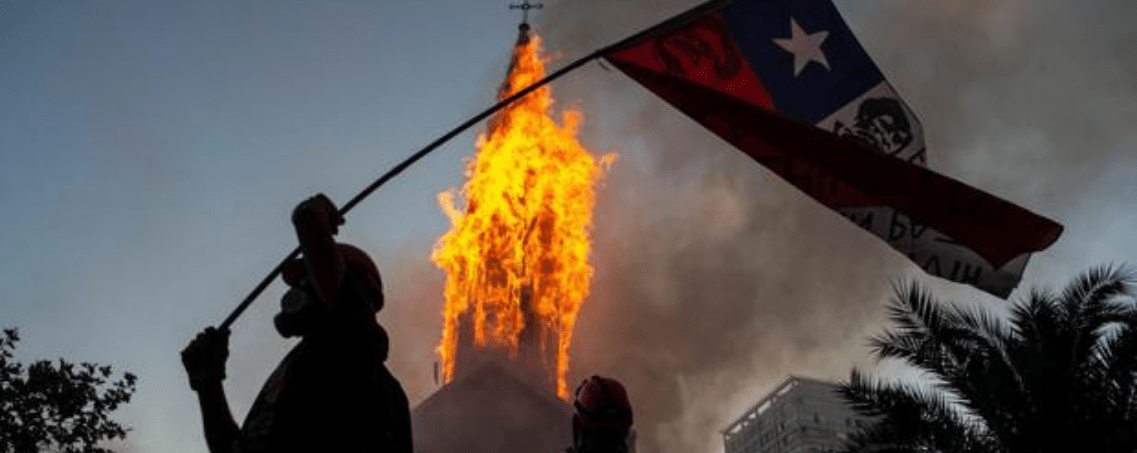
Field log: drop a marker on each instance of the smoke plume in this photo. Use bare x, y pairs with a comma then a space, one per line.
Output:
715, 279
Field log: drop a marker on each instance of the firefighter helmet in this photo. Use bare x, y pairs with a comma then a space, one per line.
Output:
602, 418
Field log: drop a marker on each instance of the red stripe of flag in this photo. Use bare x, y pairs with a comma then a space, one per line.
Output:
713, 85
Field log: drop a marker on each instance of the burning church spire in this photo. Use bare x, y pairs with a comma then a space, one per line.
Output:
516, 255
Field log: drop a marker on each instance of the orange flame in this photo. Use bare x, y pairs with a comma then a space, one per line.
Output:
518, 250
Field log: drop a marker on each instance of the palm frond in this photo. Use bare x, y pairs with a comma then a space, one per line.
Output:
945, 340
1090, 301
1033, 317
914, 309
1093, 287
988, 384
909, 418
1059, 374
1114, 376
924, 333
895, 345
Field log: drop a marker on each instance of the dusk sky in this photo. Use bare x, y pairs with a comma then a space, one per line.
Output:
151, 153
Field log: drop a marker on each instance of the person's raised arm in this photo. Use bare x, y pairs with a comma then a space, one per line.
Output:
204, 361
316, 220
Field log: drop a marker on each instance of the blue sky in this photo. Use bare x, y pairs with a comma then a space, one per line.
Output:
155, 150
150, 153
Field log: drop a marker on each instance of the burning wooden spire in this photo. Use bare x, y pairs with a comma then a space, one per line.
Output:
516, 256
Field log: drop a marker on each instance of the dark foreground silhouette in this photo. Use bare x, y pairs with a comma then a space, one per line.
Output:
61, 406
602, 418
332, 392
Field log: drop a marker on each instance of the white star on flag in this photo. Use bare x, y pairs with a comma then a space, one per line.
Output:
805, 47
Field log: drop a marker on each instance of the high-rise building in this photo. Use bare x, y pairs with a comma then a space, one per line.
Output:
800, 415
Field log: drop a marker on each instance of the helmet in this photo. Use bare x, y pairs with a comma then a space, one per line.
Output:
602, 402
357, 263
603, 415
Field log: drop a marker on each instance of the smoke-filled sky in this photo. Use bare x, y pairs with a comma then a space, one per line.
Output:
150, 153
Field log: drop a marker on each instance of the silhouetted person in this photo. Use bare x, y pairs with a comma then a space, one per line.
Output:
602, 418
332, 392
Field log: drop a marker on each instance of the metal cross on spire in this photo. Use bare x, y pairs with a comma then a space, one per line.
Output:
525, 6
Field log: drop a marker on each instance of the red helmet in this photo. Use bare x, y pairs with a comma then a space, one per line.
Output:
603, 415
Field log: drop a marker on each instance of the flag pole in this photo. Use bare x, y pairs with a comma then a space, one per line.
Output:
394, 171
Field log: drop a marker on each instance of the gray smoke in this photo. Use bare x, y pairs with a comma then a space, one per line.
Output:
715, 279
1046, 88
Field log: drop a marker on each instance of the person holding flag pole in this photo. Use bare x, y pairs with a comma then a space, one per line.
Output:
332, 392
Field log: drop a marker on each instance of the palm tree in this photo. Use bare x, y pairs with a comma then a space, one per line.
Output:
1056, 375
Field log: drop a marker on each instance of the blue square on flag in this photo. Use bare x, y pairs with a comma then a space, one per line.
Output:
818, 113
804, 55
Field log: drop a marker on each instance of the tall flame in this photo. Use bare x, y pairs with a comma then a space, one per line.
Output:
517, 253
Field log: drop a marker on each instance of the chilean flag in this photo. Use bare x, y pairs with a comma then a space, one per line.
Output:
786, 83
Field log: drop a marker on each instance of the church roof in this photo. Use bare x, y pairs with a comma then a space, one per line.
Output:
491, 411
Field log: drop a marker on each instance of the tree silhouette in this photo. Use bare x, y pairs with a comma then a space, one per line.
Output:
59, 406
1057, 375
